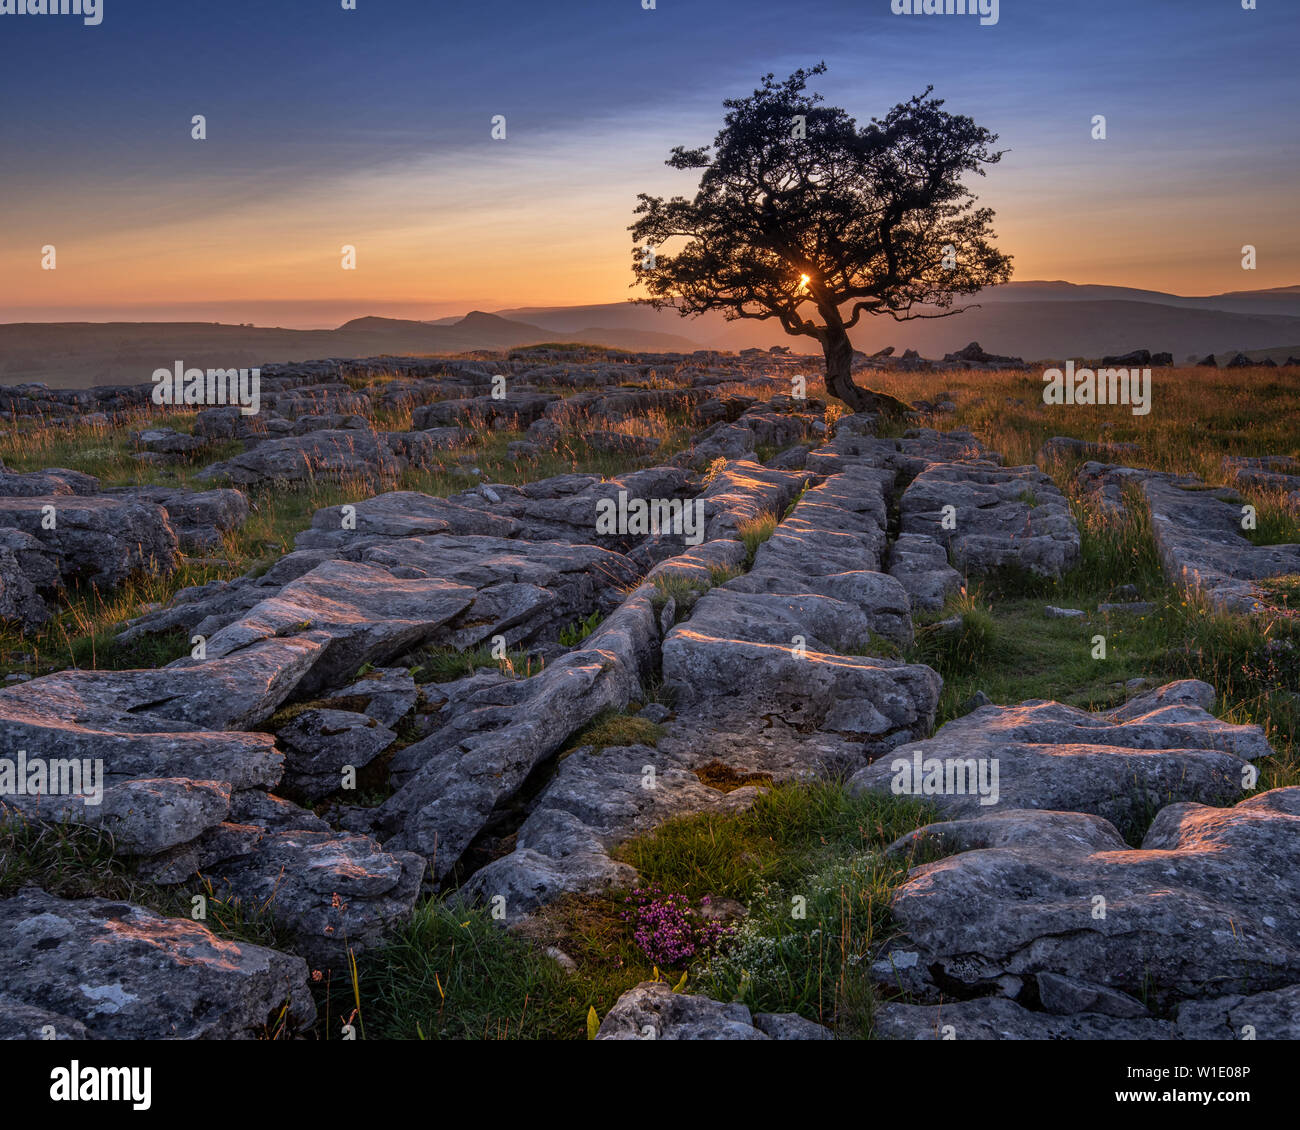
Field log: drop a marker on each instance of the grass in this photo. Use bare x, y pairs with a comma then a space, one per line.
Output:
1277, 520
1283, 591
682, 589
446, 664
453, 973
612, 728
754, 532
67, 860
1197, 416
807, 861
573, 634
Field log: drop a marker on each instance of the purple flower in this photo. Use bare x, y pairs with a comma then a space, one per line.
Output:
668, 930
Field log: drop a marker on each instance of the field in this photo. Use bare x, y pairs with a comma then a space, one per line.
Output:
452, 972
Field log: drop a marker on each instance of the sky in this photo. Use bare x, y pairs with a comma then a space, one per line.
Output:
372, 128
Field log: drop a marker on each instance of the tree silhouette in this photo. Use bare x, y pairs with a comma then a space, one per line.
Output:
797, 206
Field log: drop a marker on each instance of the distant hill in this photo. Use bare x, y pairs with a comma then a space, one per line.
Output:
1029, 319
1034, 320
81, 354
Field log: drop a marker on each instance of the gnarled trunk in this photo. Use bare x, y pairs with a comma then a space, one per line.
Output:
838, 351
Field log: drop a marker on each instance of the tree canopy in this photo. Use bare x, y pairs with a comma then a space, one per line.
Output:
804, 217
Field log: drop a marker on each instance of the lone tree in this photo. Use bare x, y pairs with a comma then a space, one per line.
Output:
799, 207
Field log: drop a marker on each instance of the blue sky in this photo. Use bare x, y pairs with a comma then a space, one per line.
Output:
372, 126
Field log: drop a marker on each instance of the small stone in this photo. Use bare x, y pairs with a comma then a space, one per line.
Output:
1130, 608
562, 959
655, 712
1054, 613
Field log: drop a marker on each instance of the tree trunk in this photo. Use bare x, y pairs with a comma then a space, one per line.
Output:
839, 376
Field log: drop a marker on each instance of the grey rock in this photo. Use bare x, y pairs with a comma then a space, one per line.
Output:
320, 743
334, 890
995, 1018
1002, 517
878, 702
298, 459
1157, 749
389, 693
98, 540
790, 1026
1205, 908
199, 518
1068, 996
49, 482
63, 710
1128, 608
148, 816
355, 613
1272, 1015
117, 971
920, 564
453, 780
26, 568
167, 441
1199, 538
652, 1011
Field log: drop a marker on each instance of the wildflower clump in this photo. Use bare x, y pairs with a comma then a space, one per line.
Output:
669, 930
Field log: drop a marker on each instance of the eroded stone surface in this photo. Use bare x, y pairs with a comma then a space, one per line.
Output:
117, 971
1205, 908
1001, 517
652, 1011
1161, 747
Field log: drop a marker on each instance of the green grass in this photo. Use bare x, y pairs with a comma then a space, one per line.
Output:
613, 728
808, 864
1283, 591
573, 634
446, 664
453, 973
1007, 648
682, 589
68, 860
1277, 522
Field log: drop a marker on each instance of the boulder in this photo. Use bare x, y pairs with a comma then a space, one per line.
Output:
299, 459
109, 970
652, 1011
97, 540
1161, 747
1206, 908
1000, 517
